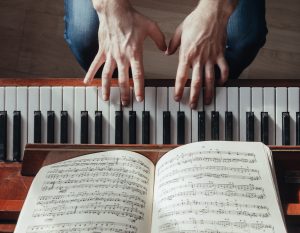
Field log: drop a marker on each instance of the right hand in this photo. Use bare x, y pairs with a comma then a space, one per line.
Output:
122, 32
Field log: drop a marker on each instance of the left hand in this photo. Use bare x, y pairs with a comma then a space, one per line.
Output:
202, 37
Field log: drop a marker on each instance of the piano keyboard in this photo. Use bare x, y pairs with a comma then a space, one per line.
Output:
48, 113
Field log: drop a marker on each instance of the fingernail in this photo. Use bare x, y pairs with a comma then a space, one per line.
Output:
193, 105
139, 98
124, 103
105, 97
177, 98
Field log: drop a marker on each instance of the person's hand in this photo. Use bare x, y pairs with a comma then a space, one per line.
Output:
122, 32
202, 36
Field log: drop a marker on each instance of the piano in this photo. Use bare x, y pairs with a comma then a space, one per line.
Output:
63, 112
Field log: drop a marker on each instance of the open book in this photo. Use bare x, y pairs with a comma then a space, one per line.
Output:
213, 187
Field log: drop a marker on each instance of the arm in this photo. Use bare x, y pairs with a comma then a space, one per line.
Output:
122, 32
202, 37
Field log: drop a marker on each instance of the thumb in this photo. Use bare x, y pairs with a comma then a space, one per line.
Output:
157, 36
175, 41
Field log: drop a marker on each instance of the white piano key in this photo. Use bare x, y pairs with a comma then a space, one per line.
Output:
161, 106
199, 108
104, 106
56, 106
173, 108
68, 105
45, 105
281, 106
126, 110
257, 108
10, 107
245, 106
2, 98
150, 104
233, 106
208, 109
269, 107
221, 107
91, 107
115, 105
79, 105
293, 107
22, 106
33, 105
138, 107
185, 107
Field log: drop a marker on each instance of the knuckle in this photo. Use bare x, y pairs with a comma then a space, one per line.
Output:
122, 83
105, 75
196, 83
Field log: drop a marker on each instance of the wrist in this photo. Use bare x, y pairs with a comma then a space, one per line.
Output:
224, 8
107, 5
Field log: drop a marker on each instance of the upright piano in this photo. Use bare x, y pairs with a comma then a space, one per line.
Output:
59, 113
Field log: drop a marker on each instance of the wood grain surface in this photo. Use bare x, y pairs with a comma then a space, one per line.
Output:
32, 44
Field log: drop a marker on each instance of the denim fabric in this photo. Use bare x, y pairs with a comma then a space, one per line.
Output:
246, 33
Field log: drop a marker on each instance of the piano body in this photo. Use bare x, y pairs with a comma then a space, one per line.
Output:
54, 114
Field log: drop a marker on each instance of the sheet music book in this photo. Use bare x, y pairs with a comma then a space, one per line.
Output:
211, 187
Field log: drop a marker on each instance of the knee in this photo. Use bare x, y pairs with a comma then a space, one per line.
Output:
83, 44
254, 41
241, 53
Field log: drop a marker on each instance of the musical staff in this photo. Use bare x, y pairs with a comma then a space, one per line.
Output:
199, 191
116, 187
84, 227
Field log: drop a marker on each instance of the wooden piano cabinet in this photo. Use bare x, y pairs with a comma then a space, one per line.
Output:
40, 82
16, 178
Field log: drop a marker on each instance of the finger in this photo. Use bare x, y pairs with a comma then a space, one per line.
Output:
96, 64
107, 72
209, 82
157, 36
224, 70
137, 69
175, 41
196, 85
124, 86
181, 78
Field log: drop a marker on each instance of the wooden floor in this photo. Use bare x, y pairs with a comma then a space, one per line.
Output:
32, 44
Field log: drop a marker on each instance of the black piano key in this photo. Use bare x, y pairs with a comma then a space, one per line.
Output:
132, 127
37, 127
3, 135
298, 128
201, 126
119, 127
146, 127
286, 128
166, 127
64, 126
50, 126
98, 127
228, 126
264, 128
215, 125
84, 127
249, 126
17, 136
180, 127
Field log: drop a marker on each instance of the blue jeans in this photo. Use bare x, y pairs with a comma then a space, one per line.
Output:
246, 33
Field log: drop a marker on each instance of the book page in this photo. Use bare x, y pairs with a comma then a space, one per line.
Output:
108, 192
216, 187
